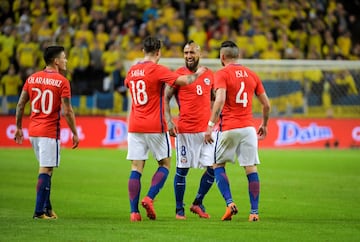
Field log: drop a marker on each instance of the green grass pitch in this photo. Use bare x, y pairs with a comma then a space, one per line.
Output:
306, 195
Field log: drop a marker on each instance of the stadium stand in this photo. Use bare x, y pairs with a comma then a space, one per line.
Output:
98, 32
104, 101
11, 102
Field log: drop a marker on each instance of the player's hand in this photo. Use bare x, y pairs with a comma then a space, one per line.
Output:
201, 70
262, 132
208, 135
173, 131
75, 141
19, 136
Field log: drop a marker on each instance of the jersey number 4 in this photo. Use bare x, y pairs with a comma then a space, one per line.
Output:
241, 96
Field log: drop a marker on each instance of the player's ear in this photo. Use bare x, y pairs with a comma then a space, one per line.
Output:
222, 57
158, 54
56, 61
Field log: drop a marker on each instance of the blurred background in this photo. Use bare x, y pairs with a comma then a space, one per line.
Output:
306, 52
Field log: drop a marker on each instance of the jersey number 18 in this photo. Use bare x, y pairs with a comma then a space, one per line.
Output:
138, 92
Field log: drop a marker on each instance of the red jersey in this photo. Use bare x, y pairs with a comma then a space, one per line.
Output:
194, 102
146, 82
241, 84
45, 89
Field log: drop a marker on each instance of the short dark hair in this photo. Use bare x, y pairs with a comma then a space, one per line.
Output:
52, 52
189, 42
229, 49
228, 43
151, 44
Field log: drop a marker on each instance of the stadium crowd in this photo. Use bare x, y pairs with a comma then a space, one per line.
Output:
100, 34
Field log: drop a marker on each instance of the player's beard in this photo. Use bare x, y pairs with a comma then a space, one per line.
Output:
193, 66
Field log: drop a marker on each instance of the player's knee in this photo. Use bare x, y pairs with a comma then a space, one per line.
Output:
210, 171
250, 169
165, 163
182, 171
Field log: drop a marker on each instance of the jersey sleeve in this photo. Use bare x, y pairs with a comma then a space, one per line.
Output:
211, 75
259, 86
181, 71
66, 91
26, 86
126, 81
167, 75
220, 79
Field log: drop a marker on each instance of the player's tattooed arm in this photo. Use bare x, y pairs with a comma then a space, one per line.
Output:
70, 119
201, 70
217, 112
24, 98
192, 78
188, 79
69, 114
218, 104
169, 92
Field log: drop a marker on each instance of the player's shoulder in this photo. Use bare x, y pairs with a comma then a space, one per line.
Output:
58, 76
143, 64
242, 67
237, 67
156, 67
209, 74
140, 67
248, 72
183, 70
209, 71
222, 70
247, 69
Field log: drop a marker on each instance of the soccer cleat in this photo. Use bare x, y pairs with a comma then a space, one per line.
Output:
50, 213
147, 203
135, 217
231, 210
253, 217
180, 217
180, 214
199, 210
42, 217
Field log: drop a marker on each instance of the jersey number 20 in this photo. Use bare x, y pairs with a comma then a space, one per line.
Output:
42, 96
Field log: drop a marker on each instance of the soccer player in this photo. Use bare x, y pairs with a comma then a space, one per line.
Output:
194, 103
147, 129
48, 92
235, 86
